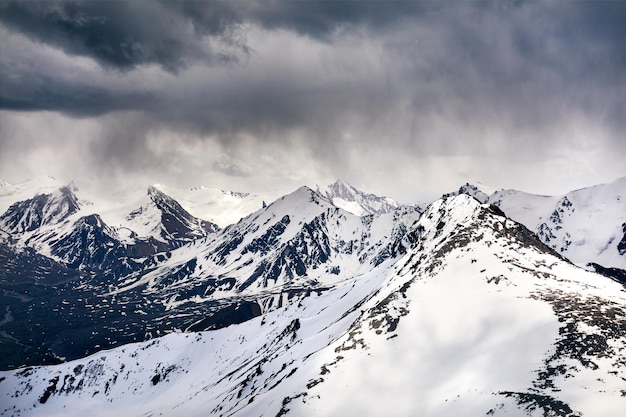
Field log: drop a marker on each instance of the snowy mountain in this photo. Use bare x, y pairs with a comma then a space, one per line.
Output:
586, 225
137, 288
219, 206
457, 311
12, 193
301, 239
41, 210
40, 221
345, 196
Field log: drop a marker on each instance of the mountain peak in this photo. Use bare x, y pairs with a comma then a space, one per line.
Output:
475, 191
42, 209
175, 222
357, 202
342, 187
153, 191
299, 198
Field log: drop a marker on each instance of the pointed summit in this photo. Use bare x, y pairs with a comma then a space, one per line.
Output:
475, 191
174, 223
345, 196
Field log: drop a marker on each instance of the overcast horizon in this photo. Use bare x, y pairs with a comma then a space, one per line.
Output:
398, 98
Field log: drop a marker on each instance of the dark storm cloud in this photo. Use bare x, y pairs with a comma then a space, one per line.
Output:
42, 93
338, 77
584, 41
321, 18
120, 34
168, 33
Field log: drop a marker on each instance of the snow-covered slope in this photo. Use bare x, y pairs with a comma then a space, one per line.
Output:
586, 225
477, 317
357, 202
12, 193
43, 210
218, 206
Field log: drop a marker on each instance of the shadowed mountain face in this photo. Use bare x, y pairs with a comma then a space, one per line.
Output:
177, 224
357, 202
59, 262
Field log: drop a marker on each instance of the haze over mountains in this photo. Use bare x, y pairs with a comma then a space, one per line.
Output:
228, 303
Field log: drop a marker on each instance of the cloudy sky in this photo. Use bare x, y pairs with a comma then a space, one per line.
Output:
401, 98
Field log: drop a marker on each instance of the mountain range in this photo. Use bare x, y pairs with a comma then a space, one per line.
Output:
325, 301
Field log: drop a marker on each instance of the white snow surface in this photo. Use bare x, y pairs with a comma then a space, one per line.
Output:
11, 193
345, 196
216, 205
467, 315
583, 225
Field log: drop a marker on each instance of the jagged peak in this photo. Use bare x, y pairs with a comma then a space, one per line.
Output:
342, 187
360, 203
480, 192
72, 186
40, 210
456, 220
91, 220
458, 206
94, 222
160, 199
153, 190
443, 216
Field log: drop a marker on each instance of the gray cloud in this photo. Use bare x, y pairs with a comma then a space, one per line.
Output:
127, 34
505, 83
122, 34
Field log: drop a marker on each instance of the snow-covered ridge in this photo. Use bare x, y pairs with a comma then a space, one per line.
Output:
585, 225
219, 206
300, 239
69, 227
345, 196
476, 317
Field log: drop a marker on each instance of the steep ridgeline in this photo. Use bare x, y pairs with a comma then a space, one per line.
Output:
586, 225
12, 193
357, 202
299, 244
474, 316
164, 219
300, 238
